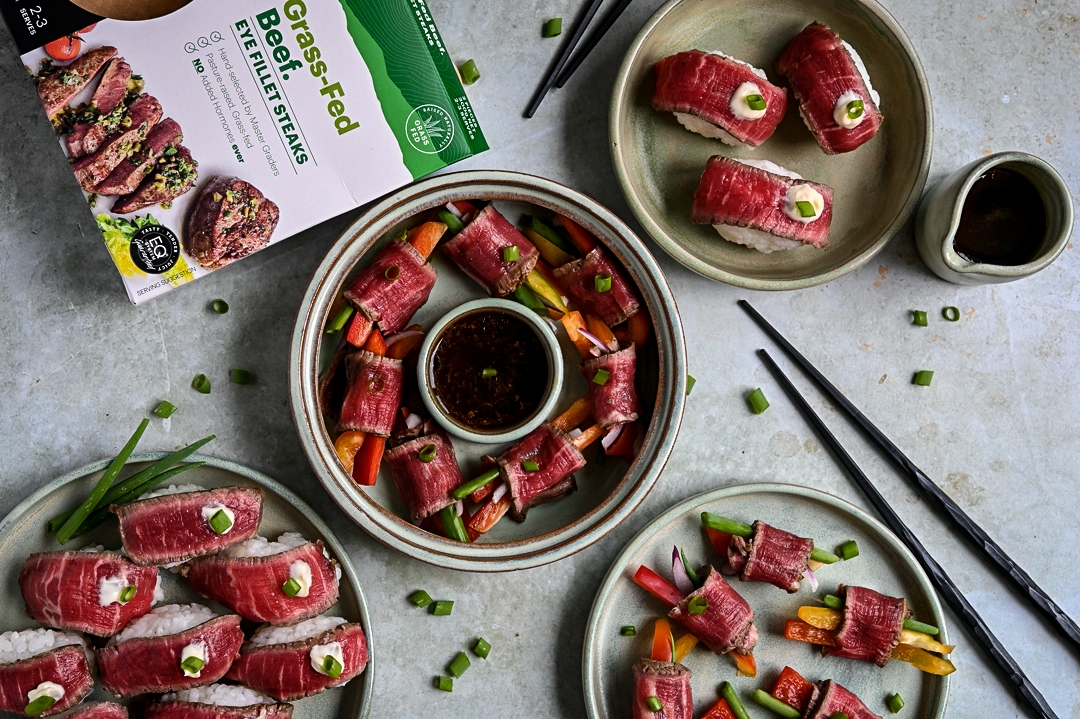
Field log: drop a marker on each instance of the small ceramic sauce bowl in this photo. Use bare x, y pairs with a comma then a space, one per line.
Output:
939, 217
426, 380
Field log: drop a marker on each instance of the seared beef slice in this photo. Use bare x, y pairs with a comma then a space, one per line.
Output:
92, 169
173, 174
57, 90
229, 220
130, 172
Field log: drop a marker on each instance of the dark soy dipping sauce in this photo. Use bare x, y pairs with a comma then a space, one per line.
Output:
489, 339
1003, 221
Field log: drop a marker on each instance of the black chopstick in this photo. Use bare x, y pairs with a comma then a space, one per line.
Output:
594, 38
1027, 691
564, 55
940, 501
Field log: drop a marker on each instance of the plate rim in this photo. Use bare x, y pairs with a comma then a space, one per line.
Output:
675, 250
263, 480
618, 565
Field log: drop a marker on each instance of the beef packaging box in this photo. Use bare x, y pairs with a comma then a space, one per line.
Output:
217, 128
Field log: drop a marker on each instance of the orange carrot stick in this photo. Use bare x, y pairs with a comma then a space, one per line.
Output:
574, 415
573, 321
426, 236
601, 331
581, 239
588, 437
639, 327
488, 515
662, 641
375, 344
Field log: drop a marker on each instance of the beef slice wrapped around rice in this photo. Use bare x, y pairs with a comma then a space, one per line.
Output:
218, 701
43, 672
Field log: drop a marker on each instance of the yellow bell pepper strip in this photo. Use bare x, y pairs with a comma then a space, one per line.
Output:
551, 253
825, 618
924, 641
347, 445
684, 645
923, 660
545, 291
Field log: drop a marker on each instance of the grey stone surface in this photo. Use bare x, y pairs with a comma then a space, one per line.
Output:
999, 429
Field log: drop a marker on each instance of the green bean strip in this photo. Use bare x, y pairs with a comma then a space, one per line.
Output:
452, 222
775, 705
474, 484
917, 626
725, 525
820, 555
832, 601
100, 515
539, 227
734, 703
67, 530
455, 528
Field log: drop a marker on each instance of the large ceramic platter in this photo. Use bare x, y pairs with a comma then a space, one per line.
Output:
884, 564
23, 532
876, 187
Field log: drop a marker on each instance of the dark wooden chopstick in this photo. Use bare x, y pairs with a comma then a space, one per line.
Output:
940, 501
594, 38
1008, 667
564, 55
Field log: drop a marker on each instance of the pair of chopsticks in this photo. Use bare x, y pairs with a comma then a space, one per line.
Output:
564, 66
1036, 597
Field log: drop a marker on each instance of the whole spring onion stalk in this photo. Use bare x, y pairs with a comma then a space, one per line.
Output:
730, 526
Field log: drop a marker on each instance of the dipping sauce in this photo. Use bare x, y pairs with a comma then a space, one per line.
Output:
1003, 221
489, 371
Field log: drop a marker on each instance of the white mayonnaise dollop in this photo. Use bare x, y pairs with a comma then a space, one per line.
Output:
197, 650
803, 193
320, 652
739, 106
301, 572
840, 111
110, 589
211, 509
46, 689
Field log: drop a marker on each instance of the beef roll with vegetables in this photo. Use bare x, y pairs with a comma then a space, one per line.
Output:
612, 394
425, 472
491, 251
662, 689
597, 284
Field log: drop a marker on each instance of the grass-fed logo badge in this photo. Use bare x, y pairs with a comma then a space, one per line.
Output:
430, 129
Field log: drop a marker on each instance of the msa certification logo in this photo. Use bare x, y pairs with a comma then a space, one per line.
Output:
430, 129
155, 249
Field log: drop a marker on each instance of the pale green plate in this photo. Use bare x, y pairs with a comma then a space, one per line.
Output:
876, 187
883, 564
23, 532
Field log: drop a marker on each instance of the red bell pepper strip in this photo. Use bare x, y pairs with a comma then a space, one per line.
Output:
640, 328
719, 710
366, 465
375, 344
579, 237
792, 689
359, 329
657, 586
401, 349
720, 541
465, 207
624, 445
800, 631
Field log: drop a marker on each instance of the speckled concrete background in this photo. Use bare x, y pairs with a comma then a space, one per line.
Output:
999, 429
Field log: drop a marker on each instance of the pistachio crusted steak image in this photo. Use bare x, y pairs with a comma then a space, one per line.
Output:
230, 219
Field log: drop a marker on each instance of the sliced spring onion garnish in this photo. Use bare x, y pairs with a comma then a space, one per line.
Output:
952, 314
775, 705
452, 221
697, 605
459, 665
220, 522
832, 601
553, 27
601, 377
895, 703
690, 382
165, 409
241, 376
482, 648
734, 703
849, 549
340, 319
219, 306
689, 570
511, 253
446, 684
443, 608
291, 587
918, 317
332, 666
602, 283
755, 102
757, 401
489, 372
820, 555
39, 706
420, 598
201, 384
530, 466
469, 73
192, 665
805, 208
839, 715
725, 525
375, 384
127, 593
923, 377
855, 109
427, 453
655, 705
917, 626
628, 631
392, 272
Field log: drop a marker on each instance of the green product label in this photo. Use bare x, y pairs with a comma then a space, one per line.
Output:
421, 97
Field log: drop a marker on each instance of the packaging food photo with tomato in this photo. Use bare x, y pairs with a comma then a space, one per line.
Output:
201, 132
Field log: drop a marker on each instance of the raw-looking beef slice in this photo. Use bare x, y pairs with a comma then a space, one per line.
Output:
65, 665
58, 89
425, 487
98, 710
727, 622
393, 287
703, 83
734, 193
127, 176
197, 710
830, 698
669, 683
614, 401
373, 395
821, 70
172, 175
556, 457
478, 251
871, 626
777, 557
86, 135
230, 219
92, 169
613, 306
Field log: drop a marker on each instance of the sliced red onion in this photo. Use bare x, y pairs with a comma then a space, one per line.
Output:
413, 421
459, 507
398, 336
596, 341
499, 492
454, 210
466, 218
574, 433
682, 579
612, 436
810, 577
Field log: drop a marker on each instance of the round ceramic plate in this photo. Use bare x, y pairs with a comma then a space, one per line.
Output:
883, 564
607, 492
23, 532
876, 187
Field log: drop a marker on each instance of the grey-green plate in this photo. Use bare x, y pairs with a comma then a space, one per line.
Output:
23, 532
884, 564
876, 187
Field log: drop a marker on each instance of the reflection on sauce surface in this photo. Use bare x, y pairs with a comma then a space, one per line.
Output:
489, 340
1003, 221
